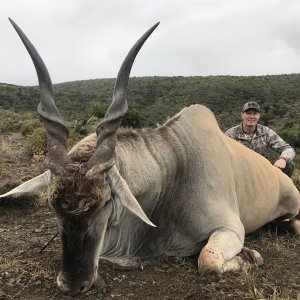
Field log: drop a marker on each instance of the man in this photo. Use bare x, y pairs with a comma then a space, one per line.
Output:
259, 138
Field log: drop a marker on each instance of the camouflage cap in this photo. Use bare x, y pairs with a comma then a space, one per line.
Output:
251, 105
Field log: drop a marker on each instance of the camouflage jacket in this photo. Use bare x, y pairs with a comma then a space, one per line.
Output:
261, 140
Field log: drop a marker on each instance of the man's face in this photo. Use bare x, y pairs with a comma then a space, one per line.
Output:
250, 117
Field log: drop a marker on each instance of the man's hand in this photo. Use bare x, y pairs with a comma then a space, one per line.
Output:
280, 163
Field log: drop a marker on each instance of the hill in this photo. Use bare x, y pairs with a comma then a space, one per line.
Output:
160, 97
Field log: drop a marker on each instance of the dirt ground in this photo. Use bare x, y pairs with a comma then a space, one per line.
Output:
29, 272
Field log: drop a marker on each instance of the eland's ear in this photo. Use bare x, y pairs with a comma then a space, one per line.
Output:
30, 187
122, 191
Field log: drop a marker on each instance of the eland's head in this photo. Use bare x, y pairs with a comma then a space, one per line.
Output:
82, 187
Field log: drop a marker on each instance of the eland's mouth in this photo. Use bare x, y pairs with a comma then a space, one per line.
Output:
73, 287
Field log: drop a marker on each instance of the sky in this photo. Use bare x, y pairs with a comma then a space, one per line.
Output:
88, 39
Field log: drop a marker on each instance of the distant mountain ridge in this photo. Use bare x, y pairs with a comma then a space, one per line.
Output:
160, 97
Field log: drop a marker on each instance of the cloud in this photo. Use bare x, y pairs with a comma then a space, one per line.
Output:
89, 39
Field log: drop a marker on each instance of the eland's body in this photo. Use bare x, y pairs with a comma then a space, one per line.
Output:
191, 186
195, 184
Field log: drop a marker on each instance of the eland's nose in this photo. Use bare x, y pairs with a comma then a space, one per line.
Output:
69, 288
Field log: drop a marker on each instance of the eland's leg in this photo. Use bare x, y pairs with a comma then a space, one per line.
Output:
292, 225
295, 224
224, 252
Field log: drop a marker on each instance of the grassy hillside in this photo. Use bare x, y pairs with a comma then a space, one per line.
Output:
159, 97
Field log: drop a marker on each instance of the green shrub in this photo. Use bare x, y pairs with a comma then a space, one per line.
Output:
28, 126
133, 119
9, 121
291, 133
97, 110
36, 142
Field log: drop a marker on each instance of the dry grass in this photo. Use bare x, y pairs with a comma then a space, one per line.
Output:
11, 148
260, 287
29, 268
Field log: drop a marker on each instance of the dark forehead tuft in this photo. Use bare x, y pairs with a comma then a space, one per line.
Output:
76, 195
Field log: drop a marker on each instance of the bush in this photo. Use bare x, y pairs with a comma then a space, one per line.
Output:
28, 126
133, 119
9, 121
36, 142
291, 134
97, 110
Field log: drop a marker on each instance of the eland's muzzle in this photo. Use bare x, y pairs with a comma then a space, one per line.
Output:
73, 287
